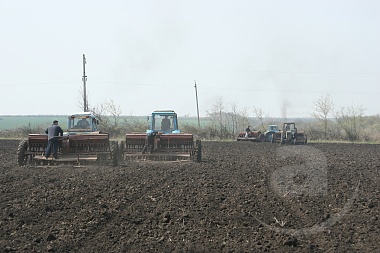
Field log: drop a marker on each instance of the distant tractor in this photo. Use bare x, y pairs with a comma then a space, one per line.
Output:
81, 143
254, 136
162, 141
290, 134
273, 134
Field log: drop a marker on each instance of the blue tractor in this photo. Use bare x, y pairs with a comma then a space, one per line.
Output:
162, 141
164, 122
273, 134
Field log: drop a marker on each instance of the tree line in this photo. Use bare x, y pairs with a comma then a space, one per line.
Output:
326, 122
224, 122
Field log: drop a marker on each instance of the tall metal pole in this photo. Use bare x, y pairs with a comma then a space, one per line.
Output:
196, 97
84, 78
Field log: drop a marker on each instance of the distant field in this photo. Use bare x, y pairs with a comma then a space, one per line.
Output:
11, 122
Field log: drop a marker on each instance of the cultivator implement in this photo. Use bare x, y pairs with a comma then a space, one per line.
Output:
301, 137
79, 149
256, 136
160, 147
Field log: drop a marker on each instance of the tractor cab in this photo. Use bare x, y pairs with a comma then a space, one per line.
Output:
272, 128
163, 121
82, 123
289, 127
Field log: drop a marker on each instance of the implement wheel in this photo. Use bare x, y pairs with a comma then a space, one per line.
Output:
198, 151
22, 158
115, 154
121, 150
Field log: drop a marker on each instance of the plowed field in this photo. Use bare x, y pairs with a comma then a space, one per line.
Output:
243, 197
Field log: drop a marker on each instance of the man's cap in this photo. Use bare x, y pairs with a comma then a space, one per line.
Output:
55, 121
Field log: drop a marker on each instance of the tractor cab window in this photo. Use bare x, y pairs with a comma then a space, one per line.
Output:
273, 128
289, 127
163, 123
82, 123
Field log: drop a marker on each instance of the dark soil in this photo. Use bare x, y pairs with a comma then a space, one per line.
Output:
243, 197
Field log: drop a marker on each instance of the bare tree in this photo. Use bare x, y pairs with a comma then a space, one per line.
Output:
114, 110
234, 115
260, 116
81, 99
226, 123
216, 114
101, 113
324, 106
108, 114
243, 120
219, 109
350, 119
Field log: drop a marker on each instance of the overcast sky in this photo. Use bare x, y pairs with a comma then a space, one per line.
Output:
146, 54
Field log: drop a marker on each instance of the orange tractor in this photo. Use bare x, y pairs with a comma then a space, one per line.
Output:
162, 141
82, 143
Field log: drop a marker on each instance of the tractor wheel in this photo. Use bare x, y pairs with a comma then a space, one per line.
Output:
115, 154
121, 150
261, 137
198, 151
22, 159
272, 138
101, 159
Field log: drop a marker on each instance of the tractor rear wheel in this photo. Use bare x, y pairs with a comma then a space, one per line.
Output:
22, 158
